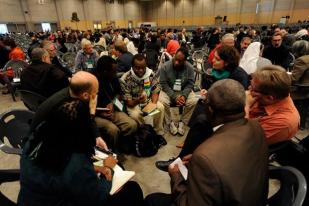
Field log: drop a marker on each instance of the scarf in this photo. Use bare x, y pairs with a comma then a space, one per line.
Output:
220, 74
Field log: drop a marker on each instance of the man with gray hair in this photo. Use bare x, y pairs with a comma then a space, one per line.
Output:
227, 40
52, 51
86, 58
234, 157
41, 76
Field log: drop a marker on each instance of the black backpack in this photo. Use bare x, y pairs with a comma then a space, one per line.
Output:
145, 141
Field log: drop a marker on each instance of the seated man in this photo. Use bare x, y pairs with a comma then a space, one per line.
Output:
177, 81
86, 58
41, 76
113, 122
124, 58
231, 167
269, 101
278, 53
141, 88
56, 165
52, 51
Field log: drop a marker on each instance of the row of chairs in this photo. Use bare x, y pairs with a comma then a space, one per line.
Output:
15, 125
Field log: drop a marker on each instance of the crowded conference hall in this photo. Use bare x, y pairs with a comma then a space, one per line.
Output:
154, 102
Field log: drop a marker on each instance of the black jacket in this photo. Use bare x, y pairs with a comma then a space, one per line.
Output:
43, 78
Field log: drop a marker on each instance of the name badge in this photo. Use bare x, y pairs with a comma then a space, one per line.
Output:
177, 85
89, 65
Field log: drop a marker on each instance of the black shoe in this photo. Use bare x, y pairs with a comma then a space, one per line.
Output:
163, 165
161, 141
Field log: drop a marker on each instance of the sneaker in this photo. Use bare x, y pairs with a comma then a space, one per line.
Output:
173, 128
163, 165
181, 129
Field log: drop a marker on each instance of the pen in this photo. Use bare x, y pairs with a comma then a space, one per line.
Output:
106, 151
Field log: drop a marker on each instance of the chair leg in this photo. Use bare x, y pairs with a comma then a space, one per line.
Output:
9, 86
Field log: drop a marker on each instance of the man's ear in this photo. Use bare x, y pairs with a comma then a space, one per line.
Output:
270, 98
85, 96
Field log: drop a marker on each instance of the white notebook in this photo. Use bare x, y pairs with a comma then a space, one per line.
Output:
120, 176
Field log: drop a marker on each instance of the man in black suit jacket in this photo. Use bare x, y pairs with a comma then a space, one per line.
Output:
41, 76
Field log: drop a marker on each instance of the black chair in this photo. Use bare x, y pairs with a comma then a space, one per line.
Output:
10, 175
17, 66
302, 105
293, 186
69, 60
99, 49
14, 125
31, 99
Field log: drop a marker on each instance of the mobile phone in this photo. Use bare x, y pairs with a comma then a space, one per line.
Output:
104, 109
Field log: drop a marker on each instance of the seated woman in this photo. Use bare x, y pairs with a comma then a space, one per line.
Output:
252, 58
225, 66
56, 165
300, 76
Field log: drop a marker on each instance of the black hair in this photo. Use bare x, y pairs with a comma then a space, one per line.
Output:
184, 51
138, 57
104, 64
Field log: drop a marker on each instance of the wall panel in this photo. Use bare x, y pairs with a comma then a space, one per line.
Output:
11, 11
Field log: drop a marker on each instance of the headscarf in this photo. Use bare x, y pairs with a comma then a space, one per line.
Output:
250, 58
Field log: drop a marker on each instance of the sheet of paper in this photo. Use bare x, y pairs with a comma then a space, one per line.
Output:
120, 176
118, 104
182, 168
156, 111
149, 107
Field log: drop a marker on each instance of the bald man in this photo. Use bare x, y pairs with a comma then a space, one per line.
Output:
59, 153
84, 87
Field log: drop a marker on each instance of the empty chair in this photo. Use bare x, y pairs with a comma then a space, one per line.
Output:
99, 49
293, 186
31, 99
69, 60
8, 176
14, 125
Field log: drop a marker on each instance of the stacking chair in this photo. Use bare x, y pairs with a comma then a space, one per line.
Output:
99, 49
293, 186
17, 66
31, 99
14, 125
198, 57
69, 60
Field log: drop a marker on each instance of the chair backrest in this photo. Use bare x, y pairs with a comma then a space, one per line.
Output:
293, 186
15, 125
31, 99
17, 66
69, 59
99, 49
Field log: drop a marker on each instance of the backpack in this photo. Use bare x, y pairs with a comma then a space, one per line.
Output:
145, 141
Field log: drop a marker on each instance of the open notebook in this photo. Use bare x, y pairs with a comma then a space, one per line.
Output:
120, 176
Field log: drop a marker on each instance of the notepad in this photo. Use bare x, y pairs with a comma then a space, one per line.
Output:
120, 176
149, 107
